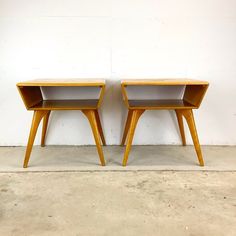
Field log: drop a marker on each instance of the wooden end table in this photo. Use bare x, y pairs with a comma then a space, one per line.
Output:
31, 94
192, 98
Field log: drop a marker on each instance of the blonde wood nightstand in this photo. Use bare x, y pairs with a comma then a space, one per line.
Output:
194, 92
31, 94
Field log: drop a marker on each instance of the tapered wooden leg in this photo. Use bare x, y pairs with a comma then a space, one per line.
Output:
100, 128
44, 130
37, 117
127, 126
134, 120
181, 126
90, 114
188, 114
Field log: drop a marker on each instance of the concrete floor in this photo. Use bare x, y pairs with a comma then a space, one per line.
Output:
78, 197
74, 158
118, 203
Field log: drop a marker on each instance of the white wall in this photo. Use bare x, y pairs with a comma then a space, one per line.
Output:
116, 39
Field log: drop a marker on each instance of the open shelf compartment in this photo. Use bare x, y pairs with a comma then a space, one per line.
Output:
191, 98
79, 104
160, 104
33, 98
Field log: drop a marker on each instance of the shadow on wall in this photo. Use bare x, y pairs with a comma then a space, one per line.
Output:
113, 112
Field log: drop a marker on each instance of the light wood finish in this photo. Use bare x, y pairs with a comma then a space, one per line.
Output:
44, 129
194, 94
63, 82
160, 104
37, 117
102, 92
192, 98
66, 104
134, 120
90, 114
188, 115
168, 82
127, 125
181, 126
99, 125
31, 94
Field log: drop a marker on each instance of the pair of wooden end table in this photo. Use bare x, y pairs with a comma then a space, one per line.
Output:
31, 93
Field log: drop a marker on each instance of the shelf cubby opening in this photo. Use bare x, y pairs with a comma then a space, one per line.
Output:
163, 94
60, 97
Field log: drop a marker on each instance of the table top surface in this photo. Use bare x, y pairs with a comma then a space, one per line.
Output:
63, 82
163, 82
